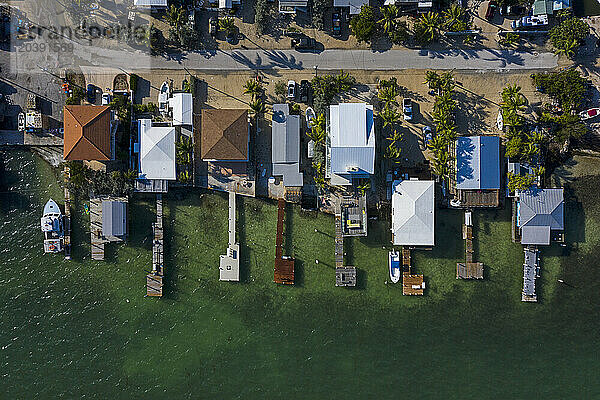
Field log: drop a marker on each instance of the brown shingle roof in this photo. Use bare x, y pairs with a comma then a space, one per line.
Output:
224, 134
87, 133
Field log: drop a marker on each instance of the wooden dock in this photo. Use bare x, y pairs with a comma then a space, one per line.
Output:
154, 279
339, 242
96, 239
67, 218
469, 269
412, 284
284, 265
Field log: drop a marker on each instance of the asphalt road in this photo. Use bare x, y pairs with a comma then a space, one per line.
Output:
240, 60
486, 59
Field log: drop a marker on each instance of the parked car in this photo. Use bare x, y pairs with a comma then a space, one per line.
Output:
304, 90
491, 10
91, 93
407, 109
530, 22
21, 122
427, 135
336, 23
291, 90
303, 42
106, 99
310, 116
512, 10
213, 26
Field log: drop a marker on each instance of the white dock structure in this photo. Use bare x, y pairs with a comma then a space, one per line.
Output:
531, 271
229, 264
154, 280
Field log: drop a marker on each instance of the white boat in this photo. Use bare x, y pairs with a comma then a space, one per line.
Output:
52, 226
394, 264
163, 97
310, 116
591, 113
500, 121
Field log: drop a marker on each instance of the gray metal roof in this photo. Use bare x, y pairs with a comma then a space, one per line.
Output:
285, 136
285, 145
535, 235
293, 3
114, 214
541, 207
355, 5
478, 162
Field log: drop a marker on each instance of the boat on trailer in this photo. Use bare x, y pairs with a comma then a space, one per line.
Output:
163, 97
53, 228
591, 113
394, 264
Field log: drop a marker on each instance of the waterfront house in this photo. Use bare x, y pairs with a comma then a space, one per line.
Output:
151, 4
285, 146
540, 215
413, 213
224, 147
292, 6
477, 171
351, 145
352, 7
156, 154
182, 109
89, 133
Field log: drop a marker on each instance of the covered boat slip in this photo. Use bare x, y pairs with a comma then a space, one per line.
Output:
108, 222
154, 279
284, 265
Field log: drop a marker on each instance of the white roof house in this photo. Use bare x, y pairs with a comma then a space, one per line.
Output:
157, 151
181, 103
354, 5
150, 3
352, 142
413, 209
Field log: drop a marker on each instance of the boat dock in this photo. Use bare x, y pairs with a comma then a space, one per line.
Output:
284, 265
412, 284
469, 269
531, 271
229, 264
154, 279
67, 217
96, 240
339, 242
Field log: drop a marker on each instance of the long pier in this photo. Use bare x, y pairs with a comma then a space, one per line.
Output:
339, 242
154, 279
469, 269
284, 265
67, 218
96, 239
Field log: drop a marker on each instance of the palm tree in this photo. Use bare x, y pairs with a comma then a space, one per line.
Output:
537, 138
389, 16
432, 80
438, 144
253, 87
447, 82
389, 116
395, 137
317, 135
388, 94
343, 81
184, 148
511, 39
319, 122
363, 187
568, 48
454, 15
431, 25
257, 108
228, 25
175, 17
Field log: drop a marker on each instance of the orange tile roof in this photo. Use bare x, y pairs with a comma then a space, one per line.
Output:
87, 133
224, 134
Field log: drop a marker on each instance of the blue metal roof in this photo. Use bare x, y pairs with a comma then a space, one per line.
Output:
478, 162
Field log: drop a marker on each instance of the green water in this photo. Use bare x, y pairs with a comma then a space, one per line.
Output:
83, 329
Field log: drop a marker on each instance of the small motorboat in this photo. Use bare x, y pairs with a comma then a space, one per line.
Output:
163, 97
500, 121
394, 262
52, 227
310, 116
591, 113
